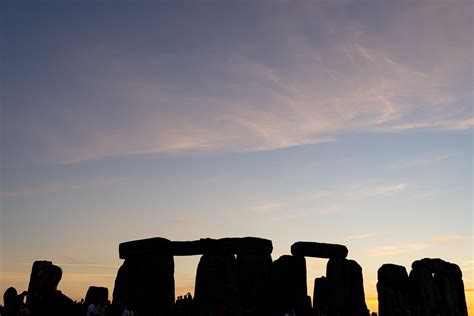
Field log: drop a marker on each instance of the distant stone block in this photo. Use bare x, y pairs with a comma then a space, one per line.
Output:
437, 288
145, 248
438, 266
318, 250
147, 284
32, 286
288, 285
217, 286
254, 276
320, 294
238, 246
161, 246
393, 289
345, 288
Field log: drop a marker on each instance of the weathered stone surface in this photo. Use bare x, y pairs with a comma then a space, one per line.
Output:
437, 288
145, 248
318, 250
96, 294
451, 293
242, 246
148, 284
32, 285
320, 295
187, 248
346, 288
161, 246
288, 285
393, 290
217, 288
438, 266
254, 276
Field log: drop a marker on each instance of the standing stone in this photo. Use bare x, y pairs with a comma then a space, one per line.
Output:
346, 288
320, 295
33, 284
217, 288
393, 290
288, 285
254, 277
147, 283
438, 288
318, 250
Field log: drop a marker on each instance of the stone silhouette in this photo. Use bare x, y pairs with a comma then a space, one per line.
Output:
33, 291
318, 250
146, 278
437, 288
393, 290
288, 284
148, 272
236, 276
254, 277
434, 287
345, 288
320, 295
217, 285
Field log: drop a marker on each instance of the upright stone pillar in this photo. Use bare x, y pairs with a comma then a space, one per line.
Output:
393, 290
346, 288
288, 285
217, 288
33, 284
320, 295
438, 288
254, 277
146, 278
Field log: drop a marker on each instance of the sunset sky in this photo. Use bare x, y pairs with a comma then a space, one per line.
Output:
334, 121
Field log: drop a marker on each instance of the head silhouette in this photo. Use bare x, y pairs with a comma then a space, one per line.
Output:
10, 297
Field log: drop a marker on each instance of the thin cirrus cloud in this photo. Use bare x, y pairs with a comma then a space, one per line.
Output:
447, 238
58, 187
421, 161
394, 250
306, 92
363, 236
271, 206
364, 191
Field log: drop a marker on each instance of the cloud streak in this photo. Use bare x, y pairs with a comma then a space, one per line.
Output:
307, 90
393, 250
58, 187
421, 161
363, 236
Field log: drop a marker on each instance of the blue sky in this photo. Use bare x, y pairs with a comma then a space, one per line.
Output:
343, 121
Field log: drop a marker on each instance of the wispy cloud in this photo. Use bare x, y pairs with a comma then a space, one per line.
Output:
266, 207
360, 80
57, 187
363, 236
392, 189
364, 191
392, 250
421, 161
448, 238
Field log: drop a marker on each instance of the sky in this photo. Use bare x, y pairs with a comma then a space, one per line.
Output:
334, 121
